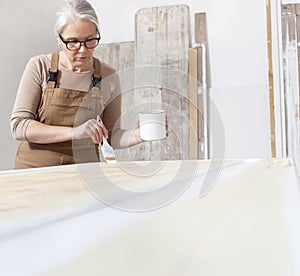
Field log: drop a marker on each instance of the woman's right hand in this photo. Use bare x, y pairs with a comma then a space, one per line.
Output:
90, 129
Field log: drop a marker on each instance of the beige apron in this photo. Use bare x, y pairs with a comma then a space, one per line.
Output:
64, 107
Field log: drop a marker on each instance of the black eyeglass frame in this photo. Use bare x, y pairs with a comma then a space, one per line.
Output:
66, 42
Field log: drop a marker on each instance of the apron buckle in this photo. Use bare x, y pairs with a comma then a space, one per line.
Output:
95, 81
52, 76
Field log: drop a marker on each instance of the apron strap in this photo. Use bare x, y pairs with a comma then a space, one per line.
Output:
97, 72
52, 73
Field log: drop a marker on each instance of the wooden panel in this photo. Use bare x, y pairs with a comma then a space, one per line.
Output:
193, 102
297, 13
297, 101
162, 44
271, 82
290, 42
203, 77
120, 56
200, 38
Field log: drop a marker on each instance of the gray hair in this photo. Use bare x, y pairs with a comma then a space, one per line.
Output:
72, 10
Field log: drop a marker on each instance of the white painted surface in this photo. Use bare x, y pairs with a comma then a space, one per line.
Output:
237, 51
248, 224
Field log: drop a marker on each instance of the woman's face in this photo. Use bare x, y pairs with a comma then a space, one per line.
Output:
80, 30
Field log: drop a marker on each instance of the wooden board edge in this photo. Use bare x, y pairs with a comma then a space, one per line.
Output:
193, 110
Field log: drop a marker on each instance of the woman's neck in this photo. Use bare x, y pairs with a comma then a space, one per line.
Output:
73, 66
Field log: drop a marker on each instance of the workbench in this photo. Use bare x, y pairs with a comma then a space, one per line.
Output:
152, 218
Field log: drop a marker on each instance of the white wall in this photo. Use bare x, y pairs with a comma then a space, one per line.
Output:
26, 30
238, 56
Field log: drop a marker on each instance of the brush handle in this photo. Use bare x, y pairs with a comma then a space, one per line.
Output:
104, 140
103, 137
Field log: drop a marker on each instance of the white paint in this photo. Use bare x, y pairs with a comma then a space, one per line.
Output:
237, 48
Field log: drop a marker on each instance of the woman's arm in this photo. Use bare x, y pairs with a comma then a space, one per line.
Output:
23, 123
125, 138
28, 97
44, 134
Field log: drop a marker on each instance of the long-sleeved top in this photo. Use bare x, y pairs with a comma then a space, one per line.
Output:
34, 79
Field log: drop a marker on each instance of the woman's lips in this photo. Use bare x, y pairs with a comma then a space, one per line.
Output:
81, 58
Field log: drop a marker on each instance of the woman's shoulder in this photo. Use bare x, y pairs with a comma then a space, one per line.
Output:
39, 63
41, 60
37, 67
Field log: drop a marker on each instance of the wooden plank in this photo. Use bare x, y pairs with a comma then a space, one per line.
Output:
162, 44
193, 103
271, 81
201, 37
297, 108
291, 73
203, 78
291, 78
288, 9
297, 12
200, 22
120, 56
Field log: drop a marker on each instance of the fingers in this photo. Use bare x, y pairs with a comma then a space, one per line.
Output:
99, 131
91, 129
104, 130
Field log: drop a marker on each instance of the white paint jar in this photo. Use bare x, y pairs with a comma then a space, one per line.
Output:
152, 124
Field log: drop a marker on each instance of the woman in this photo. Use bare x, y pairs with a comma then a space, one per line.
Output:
61, 94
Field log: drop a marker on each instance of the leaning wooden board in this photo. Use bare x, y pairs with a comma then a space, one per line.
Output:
291, 73
120, 56
203, 76
161, 46
293, 10
193, 103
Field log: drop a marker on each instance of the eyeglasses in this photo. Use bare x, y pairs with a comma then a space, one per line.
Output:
73, 45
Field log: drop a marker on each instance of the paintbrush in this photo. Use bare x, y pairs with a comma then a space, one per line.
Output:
106, 149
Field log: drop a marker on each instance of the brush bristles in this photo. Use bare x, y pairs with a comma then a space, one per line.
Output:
110, 158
